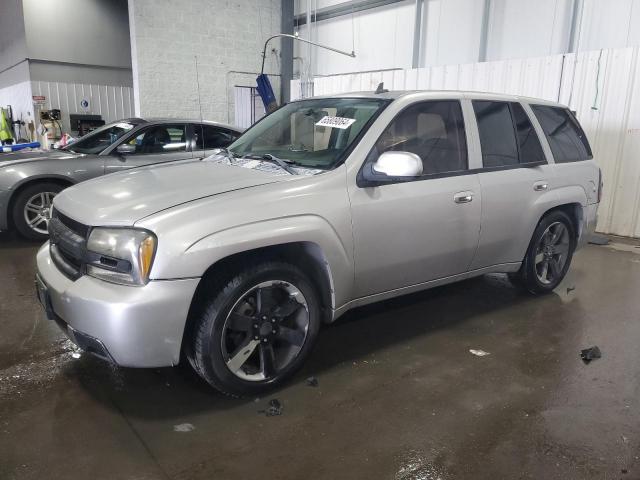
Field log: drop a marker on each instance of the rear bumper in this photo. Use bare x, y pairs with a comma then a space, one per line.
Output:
130, 326
588, 223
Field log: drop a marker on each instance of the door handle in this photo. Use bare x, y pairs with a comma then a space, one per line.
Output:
540, 186
463, 197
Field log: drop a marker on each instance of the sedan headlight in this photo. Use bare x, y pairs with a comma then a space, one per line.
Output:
121, 255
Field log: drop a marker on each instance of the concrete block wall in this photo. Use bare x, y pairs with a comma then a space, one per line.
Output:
227, 36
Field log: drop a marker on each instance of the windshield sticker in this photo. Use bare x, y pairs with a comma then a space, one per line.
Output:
335, 122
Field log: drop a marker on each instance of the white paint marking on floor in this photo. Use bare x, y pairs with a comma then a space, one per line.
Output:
478, 353
184, 427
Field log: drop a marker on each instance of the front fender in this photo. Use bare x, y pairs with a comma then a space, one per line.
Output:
199, 256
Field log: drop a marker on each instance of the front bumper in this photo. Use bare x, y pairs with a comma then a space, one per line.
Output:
131, 326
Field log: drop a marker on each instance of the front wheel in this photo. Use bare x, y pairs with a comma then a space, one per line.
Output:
549, 255
32, 210
256, 331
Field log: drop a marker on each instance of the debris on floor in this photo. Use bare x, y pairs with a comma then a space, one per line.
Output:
478, 353
312, 382
275, 408
184, 427
589, 354
76, 355
570, 289
596, 239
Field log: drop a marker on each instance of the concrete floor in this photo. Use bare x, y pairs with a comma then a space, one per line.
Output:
399, 395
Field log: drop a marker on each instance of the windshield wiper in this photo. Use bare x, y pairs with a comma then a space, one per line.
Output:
273, 159
228, 154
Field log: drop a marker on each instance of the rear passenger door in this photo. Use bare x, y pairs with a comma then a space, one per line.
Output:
426, 228
515, 179
207, 138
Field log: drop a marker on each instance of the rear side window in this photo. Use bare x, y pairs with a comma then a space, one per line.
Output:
566, 138
528, 142
208, 137
432, 130
497, 136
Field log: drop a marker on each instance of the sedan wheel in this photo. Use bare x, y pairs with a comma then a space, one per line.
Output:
31, 209
37, 211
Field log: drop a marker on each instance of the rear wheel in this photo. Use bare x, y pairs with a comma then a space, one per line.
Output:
255, 332
549, 254
32, 210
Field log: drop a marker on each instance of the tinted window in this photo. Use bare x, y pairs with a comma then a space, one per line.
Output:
99, 139
208, 137
528, 142
432, 130
567, 140
497, 136
165, 138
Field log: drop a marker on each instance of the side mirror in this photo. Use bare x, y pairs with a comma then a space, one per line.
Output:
398, 164
390, 167
126, 149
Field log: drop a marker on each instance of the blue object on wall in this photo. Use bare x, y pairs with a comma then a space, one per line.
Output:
265, 90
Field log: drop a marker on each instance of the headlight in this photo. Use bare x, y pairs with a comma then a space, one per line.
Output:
121, 255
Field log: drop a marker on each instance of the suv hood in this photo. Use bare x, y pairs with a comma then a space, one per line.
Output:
126, 197
7, 159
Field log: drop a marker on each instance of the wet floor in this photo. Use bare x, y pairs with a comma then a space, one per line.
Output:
399, 395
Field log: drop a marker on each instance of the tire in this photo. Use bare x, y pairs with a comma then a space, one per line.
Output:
27, 203
256, 331
552, 244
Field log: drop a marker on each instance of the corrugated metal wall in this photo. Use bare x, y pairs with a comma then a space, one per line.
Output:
112, 102
602, 86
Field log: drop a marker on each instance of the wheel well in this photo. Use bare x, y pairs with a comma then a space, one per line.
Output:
306, 255
573, 211
14, 195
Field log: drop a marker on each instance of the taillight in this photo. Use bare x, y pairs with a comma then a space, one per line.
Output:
600, 185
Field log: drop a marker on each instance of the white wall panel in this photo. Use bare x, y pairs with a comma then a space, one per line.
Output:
452, 32
111, 102
603, 87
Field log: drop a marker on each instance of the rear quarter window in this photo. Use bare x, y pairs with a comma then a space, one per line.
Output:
565, 135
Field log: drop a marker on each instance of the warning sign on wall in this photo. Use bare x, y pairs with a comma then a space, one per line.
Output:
39, 99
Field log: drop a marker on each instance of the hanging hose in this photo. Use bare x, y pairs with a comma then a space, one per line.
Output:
595, 99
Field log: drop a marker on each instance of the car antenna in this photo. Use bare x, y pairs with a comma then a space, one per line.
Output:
204, 151
381, 88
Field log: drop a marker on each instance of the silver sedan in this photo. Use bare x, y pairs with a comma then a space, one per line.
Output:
29, 181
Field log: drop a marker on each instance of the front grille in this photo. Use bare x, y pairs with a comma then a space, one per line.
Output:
67, 244
76, 227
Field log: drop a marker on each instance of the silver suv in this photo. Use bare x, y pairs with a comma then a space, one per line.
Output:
235, 261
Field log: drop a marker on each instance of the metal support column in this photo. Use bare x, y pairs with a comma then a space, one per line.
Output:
417, 33
576, 23
286, 52
484, 31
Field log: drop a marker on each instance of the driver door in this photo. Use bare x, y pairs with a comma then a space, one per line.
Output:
157, 143
426, 228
